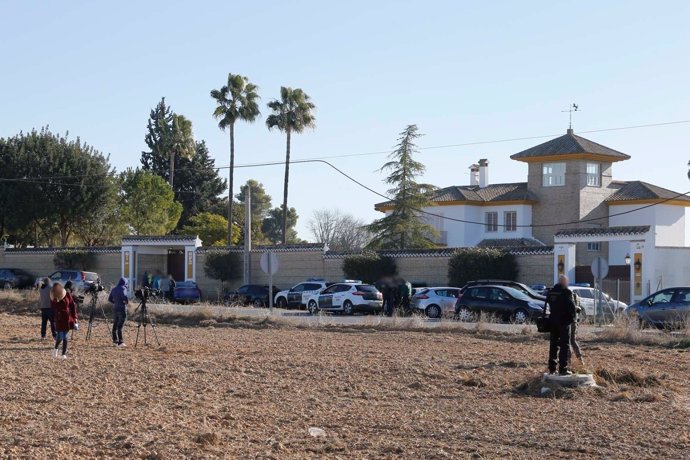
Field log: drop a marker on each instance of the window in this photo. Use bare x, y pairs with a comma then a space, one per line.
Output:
343, 288
478, 293
499, 294
330, 290
594, 247
682, 296
593, 174
584, 293
554, 174
661, 297
491, 219
510, 221
312, 287
298, 288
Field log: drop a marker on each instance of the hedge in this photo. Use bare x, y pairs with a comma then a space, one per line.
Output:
481, 263
369, 267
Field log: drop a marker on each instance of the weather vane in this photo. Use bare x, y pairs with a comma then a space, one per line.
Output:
573, 108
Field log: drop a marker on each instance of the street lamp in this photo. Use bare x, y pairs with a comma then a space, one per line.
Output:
627, 259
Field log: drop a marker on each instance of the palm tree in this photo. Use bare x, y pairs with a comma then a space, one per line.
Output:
236, 101
292, 113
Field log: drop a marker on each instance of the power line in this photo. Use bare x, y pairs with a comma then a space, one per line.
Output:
382, 152
419, 210
422, 211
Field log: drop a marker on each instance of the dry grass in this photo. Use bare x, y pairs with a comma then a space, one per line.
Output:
625, 331
240, 390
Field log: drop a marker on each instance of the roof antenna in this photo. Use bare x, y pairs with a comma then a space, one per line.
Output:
573, 108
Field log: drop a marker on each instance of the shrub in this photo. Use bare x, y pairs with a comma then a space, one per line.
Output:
75, 259
476, 263
369, 267
223, 266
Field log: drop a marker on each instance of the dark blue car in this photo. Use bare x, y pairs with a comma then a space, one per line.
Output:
187, 292
668, 308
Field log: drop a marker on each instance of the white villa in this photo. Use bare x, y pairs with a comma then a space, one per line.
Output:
569, 199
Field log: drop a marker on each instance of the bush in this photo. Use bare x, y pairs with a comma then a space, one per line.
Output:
477, 263
81, 260
223, 266
369, 267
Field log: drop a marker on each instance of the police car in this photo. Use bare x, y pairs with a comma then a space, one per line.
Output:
296, 296
347, 297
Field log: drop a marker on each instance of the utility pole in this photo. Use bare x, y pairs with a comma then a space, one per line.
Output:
248, 235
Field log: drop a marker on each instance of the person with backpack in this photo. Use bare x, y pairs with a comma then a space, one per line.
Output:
562, 315
65, 311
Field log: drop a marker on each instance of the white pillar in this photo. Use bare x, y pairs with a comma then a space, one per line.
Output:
564, 261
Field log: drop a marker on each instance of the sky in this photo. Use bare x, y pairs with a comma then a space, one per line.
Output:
463, 71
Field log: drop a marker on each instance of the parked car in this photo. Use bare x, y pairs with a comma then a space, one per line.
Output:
435, 301
251, 294
80, 279
668, 308
589, 298
296, 296
11, 278
512, 284
346, 298
539, 288
501, 301
186, 292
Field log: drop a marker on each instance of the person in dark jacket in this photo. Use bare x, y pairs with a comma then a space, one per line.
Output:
171, 287
562, 315
65, 311
47, 315
118, 297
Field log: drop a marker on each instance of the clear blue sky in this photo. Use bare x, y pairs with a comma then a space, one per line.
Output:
462, 71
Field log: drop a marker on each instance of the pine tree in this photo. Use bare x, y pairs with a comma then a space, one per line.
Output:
402, 227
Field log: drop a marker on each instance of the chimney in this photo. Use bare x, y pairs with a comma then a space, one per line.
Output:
483, 172
474, 174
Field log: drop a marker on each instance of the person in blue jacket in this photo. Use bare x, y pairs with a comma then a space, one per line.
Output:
118, 297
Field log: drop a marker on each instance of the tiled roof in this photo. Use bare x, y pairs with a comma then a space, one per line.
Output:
569, 144
93, 249
530, 250
442, 252
510, 243
604, 231
638, 190
158, 238
493, 193
304, 247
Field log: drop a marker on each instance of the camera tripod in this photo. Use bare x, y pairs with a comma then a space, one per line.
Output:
93, 304
144, 320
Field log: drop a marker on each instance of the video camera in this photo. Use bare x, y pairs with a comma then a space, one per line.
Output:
142, 293
94, 287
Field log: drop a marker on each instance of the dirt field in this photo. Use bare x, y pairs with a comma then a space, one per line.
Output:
254, 392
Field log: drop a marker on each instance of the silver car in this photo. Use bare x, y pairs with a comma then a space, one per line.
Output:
435, 301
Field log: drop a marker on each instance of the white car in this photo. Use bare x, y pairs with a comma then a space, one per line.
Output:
347, 298
297, 295
589, 298
435, 301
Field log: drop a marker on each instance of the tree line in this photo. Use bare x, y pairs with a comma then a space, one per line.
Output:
57, 191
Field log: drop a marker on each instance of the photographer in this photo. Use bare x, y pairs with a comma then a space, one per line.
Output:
47, 315
563, 310
118, 297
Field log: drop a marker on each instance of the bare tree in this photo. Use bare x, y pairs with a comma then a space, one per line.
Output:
338, 231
